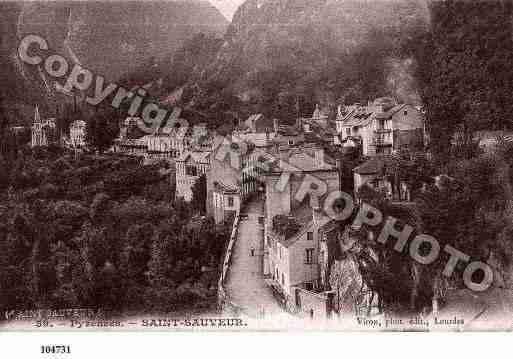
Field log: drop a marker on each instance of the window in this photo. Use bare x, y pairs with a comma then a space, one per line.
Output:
252, 252
309, 286
191, 171
348, 131
282, 279
309, 236
405, 112
309, 255
230, 201
291, 142
279, 251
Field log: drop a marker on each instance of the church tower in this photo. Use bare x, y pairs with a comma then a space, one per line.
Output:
38, 133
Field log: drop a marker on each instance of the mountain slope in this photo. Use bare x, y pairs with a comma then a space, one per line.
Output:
111, 38
116, 37
278, 52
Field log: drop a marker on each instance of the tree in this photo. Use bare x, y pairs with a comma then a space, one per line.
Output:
102, 129
464, 69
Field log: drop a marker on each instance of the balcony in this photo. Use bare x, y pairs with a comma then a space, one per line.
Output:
380, 141
382, 130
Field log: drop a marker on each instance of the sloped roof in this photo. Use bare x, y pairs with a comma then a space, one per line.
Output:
288, 130
78, 123
196, 156
304, 216
227, 187
357, 118
375, 165
303, 160
390, 112
133, 142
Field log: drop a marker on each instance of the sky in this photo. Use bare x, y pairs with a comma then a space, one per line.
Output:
227, 7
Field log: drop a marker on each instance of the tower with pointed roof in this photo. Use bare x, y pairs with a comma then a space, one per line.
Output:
38, 133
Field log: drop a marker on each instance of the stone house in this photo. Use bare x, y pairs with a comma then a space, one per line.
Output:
292, 260
233, 176
77, 133
382, 126
372, 173
166, 143
190, 166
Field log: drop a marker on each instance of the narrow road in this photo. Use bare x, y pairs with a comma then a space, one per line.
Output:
246, 286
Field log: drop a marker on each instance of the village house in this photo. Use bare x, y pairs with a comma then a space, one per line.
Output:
166, 143
318, 128
199, 139
290, 257
287, 135
129, 128
233, 176
372, 173
294, 260
131, 146
190, 166
487, 141
131, 140
379, 173
77, 133
257, 129
382, 126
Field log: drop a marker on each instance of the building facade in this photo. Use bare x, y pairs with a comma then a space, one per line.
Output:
292, 261
190, 166
382, 126
77, 134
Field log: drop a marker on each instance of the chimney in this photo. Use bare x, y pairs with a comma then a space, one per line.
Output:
319, 157
316, 210
276, 126
299, 124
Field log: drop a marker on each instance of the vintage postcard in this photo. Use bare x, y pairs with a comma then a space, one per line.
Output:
256, 165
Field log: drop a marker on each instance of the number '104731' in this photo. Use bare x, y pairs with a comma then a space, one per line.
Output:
55, 349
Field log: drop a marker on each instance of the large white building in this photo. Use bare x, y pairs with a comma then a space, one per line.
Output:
77, 133
382, 126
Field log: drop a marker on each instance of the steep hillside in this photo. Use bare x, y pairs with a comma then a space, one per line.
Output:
112, 38
115, 37
279, 52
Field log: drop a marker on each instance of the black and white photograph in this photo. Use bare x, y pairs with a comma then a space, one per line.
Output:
255, 166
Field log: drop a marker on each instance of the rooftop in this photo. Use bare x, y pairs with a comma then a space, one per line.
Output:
375, 165
196, 156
